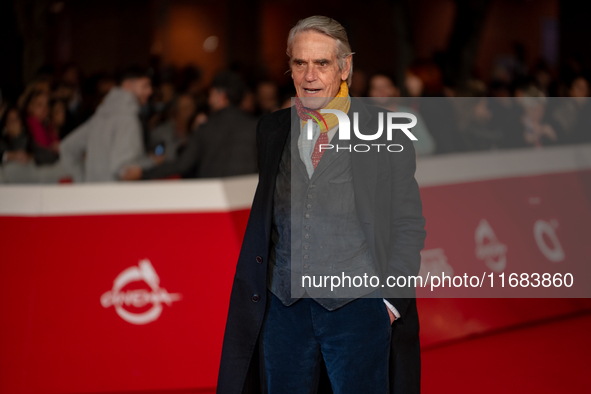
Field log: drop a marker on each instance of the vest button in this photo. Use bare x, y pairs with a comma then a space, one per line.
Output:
255, 298
259, 259
307, 216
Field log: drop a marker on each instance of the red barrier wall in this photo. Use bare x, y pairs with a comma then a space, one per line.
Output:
120, 288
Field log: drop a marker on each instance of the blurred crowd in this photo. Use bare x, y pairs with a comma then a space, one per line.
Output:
169, 123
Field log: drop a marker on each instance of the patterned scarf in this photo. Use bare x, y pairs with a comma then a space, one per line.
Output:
326, 121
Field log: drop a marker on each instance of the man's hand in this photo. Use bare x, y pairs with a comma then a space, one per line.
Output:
20, 156
132, 173
157, 159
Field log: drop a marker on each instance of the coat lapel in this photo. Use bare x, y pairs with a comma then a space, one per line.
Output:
329, 156
364, 165
365, 171
274, 139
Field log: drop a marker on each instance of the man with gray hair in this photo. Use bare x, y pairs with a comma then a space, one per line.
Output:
327, 211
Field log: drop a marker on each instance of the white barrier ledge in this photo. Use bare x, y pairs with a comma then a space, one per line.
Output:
237, 192
140, 197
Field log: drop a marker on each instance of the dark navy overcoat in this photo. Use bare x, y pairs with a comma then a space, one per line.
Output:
389, 207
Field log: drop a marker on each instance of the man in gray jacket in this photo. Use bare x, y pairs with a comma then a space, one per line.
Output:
223, 146
111, 139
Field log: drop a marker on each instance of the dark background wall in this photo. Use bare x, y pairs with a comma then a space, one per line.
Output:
472, 36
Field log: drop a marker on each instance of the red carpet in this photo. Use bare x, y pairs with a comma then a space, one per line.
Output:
548, 356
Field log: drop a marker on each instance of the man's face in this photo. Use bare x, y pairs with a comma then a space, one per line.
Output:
381, 87
314, 68
185, 108
39, 107
217, 99
140, 87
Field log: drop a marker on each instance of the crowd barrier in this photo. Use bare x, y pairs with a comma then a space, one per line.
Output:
125, 287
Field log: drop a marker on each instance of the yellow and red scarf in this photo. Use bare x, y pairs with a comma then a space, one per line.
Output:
327, 121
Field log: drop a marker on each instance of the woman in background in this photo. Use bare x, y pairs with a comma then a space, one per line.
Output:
37, 119
13, 139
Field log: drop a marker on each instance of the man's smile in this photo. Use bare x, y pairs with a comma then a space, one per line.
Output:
312, 91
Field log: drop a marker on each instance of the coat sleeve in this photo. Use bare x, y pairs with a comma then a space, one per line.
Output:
182, 165
72, 151
127, 146
407, 235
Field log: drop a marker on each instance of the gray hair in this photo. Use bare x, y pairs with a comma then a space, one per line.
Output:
331, 28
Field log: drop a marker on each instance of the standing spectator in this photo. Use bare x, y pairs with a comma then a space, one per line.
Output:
161, 104
37, 116
358, 86
17, 149
13, 140
571, 117
537, 131
424, 81
171, 136
75, 112
506, 115
69, 89
99, 149
249, 102
57, 116
267, 97
224, 146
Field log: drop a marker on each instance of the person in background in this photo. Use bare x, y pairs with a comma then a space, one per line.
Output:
358, 86
171, 136
69, 90
162, 104
381, 85
75, 113
267, 97
224, 146
22, 160
58, 114
14, 141
71, 78
386, 95
537, 132
542, 75
506, 115
423, 81
249, 102
37, 120
571, 118
111, 139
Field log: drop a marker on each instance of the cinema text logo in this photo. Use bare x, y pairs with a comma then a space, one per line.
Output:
345, 131
138, 298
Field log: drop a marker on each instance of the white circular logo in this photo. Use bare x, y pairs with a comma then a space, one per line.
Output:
553, 252
138, 298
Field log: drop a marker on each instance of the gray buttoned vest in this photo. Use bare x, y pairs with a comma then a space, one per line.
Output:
316, 231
